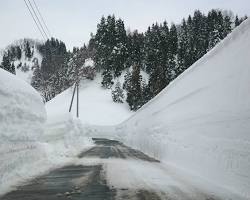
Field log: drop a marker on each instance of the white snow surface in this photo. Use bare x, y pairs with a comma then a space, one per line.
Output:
201, 121
22, 117
30, 145
96, 106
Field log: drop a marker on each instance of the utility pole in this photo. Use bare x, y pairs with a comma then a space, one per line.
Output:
76, 89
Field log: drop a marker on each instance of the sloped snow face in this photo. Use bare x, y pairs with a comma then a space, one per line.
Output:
22, 117
201, 121
96, 106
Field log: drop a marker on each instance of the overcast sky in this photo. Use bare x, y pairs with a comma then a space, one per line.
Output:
73, 20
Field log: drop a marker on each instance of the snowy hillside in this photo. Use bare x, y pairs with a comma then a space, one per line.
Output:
201, 121
96, 106
25, 66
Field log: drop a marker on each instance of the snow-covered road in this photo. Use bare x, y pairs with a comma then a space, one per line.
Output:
111, 170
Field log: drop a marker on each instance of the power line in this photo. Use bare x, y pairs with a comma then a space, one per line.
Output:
41, 18
38, 19
34, 19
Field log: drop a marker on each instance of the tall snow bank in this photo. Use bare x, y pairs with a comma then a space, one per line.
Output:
201, 121
66, 136
22, 117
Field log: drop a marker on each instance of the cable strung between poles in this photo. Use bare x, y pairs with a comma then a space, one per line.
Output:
38, 10
34, 19
38, 19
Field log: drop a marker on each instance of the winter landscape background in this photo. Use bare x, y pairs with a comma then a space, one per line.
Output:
177, 92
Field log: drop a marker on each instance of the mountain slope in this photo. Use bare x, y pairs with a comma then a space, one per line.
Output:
96, 106
24, 66
201, 121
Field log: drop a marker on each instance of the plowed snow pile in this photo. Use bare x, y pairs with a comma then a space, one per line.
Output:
201, 122
22, 117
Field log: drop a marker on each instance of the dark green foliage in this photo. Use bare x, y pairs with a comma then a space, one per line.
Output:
6, 63
50, 78
18, 52
163, 52
117, 93
110, 44
107, 80
27, 50
134, 89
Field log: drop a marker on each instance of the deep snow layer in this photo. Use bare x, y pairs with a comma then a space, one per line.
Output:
22, 117
96, 106
30, 144
201, 121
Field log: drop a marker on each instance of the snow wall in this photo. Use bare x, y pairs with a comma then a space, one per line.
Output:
22, 117
201, 121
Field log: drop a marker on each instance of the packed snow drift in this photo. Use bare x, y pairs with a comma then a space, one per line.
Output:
30, 144
201, 121
22, 118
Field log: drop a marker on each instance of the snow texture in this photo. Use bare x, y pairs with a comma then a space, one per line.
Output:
201, 121
30, 145
96, 106
22, 117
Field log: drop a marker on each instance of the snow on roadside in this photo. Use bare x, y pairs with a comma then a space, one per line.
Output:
30, 145
22, 117
200, 122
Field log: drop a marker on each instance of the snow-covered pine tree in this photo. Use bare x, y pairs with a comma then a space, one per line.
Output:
6, 63
134, 91
28, 52
107, 80
172, 53
117, 93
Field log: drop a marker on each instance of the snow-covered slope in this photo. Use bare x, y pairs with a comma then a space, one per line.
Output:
22, 119
96, 106
201, 121
25, 72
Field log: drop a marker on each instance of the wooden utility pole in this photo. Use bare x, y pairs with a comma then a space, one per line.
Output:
76, 89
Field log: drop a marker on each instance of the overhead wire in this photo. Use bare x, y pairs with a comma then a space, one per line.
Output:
38, 19
34, 20
38, 10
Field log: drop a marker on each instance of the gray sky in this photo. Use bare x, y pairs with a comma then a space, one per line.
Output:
73, 20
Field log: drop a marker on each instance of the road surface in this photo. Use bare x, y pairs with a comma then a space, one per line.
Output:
92, 179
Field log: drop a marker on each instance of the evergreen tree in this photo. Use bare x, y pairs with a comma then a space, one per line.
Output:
6, 64
28, 53
182, 50
134, 91
215, 28
12, 68
18, 53
117, 93
127, 78
107, 80
236, 21
227, 26
172, 69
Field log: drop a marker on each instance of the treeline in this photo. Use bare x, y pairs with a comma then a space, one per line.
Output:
15, 52
164, 51
59, 68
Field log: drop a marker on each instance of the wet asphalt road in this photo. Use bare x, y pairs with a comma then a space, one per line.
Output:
79, 182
